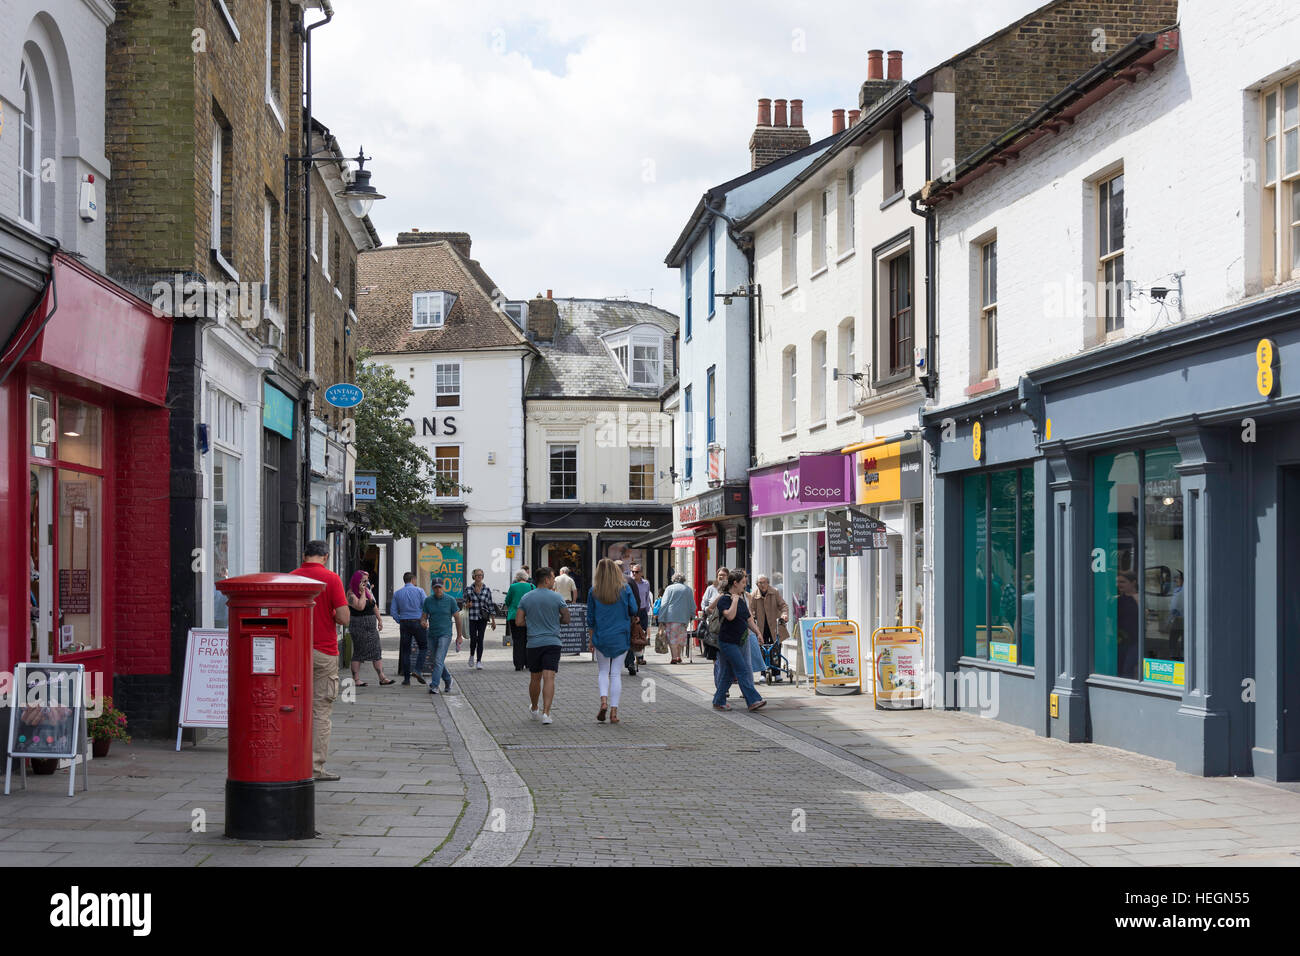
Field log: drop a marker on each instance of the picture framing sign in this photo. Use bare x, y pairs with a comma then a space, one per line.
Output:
205, 689
47, 718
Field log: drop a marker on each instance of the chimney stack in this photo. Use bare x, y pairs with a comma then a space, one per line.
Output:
772, 137
548, 293
837, 121
854, 116
460, 241
875, 64
543, 318
895, 65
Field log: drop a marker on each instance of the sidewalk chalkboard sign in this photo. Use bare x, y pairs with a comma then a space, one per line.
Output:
573, 636
47, 717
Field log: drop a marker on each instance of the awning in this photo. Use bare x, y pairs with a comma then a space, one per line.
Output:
658, 538
684, 539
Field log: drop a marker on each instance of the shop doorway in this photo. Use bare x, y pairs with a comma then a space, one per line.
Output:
41, 510
1288, 585
572, 552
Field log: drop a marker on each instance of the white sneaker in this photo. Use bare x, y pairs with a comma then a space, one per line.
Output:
471, 664
546, 718
478, 666
535, 714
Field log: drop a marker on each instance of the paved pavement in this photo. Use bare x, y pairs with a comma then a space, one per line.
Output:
470, 780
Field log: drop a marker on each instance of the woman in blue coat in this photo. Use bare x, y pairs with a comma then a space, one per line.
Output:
611, 606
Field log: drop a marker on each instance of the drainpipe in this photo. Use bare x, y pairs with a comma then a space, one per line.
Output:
931, 334
309, 325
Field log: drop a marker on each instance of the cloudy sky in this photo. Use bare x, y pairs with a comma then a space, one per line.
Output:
571, 139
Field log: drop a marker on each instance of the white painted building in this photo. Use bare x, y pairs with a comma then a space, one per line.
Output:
432, 315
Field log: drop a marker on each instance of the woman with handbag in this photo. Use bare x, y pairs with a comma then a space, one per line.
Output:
364, 626
612, 617
736, 626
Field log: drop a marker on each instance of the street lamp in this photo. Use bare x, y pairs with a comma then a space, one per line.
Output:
360, 195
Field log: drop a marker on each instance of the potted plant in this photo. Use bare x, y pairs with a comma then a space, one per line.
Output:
110, 725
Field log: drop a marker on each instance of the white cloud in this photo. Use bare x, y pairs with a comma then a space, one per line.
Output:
535, 127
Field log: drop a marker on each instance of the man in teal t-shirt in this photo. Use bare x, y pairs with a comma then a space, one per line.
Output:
439, 617
542, 611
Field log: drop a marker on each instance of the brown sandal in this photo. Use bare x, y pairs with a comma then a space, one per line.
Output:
601, 716
613, 717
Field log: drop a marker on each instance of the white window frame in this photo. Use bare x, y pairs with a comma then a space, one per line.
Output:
229, 18
820, 223
623, 345
650, 492
988, 308
848, 334
817, 407
1106, 297
849, 232
324, 241
272, 93
1281, 187
790, 395
577, 469
441, 310
29, 131
218, 147
460, 468
437, 385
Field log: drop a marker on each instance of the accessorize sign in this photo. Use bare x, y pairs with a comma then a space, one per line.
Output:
205, 688
809, 482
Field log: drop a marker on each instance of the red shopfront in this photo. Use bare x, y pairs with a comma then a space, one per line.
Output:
719, 522
85, 481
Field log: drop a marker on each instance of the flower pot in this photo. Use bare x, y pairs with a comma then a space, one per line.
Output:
43, 766
99, 747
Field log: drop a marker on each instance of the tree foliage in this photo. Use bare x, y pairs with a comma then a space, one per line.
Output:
385, 445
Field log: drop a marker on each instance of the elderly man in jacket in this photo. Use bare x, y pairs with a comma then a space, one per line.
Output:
770, 612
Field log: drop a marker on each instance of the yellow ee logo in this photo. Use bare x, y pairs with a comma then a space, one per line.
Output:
977, 446
1265, 367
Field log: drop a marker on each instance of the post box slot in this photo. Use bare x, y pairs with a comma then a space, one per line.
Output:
261, 623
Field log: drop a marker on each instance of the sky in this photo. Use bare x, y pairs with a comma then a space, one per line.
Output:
572, 139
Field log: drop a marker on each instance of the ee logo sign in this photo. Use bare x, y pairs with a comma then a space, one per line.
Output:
1266, 367
977, 442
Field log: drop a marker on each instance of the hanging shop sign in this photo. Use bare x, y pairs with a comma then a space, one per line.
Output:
811, 481
365, 487
888, 473
205, 687
898, 658
868, 533
344, 395
839, 537
277, 410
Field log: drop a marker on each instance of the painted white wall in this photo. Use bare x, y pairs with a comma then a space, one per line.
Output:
488, 425
1189, 138
68, 36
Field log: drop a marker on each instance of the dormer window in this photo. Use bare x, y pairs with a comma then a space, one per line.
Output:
429, 309
639, 353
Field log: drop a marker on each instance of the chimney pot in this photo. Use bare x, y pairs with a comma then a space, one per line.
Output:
837, 121
796, 114
548, 293
765, 112
875, 68
895, 65
779, 119
854, 116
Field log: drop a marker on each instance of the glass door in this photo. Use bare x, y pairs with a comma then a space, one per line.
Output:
41, 560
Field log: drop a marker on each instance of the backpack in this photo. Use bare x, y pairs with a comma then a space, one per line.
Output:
712, 628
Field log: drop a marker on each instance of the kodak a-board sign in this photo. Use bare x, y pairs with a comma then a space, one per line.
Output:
344, 395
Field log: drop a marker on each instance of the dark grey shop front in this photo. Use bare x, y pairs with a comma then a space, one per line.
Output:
1120, 562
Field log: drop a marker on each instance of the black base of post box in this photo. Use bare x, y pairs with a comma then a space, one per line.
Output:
271, 811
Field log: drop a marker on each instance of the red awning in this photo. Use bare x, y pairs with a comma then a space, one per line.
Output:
683, 539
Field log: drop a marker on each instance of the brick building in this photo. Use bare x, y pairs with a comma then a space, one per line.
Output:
207, 221
83, 373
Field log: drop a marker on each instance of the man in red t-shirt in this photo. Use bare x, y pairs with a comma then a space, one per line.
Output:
331, 610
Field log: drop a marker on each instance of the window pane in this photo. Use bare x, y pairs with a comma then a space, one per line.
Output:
79, 433
1270, 115
1117, 212
1292, 153
1027, 567
226, 522
1002, 562
1291, 106
1103, 219
974, 586
1162, 565
80, 533
1114, 577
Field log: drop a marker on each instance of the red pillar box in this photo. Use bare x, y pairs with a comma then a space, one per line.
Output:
270, 794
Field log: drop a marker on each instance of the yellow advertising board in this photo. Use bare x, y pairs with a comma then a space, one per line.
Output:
837, 662
898, 658
877, 473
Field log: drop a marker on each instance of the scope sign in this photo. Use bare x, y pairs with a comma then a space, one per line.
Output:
344, 395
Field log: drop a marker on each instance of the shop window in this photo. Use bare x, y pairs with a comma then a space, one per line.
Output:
79, 433
442, 559
1137, 566
998, 566
564, 472
80, 530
